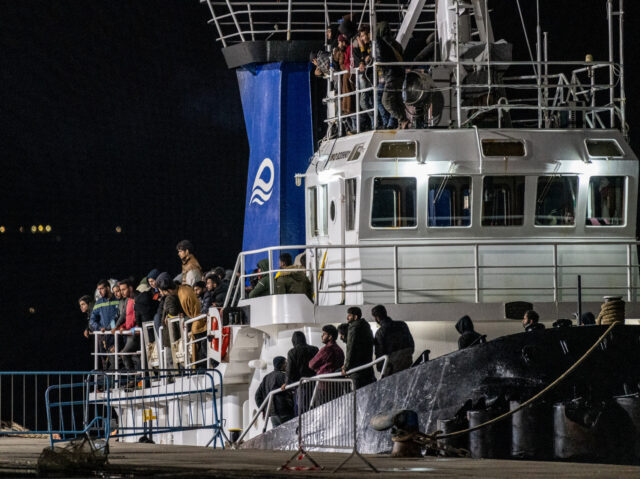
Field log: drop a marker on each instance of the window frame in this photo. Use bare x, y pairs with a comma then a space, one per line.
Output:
613, 140
350, 220
501, 140
575, 207
417, 218
625, 204
393, 158
471, 223
524, 200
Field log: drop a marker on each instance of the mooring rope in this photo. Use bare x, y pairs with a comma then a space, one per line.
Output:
434, 436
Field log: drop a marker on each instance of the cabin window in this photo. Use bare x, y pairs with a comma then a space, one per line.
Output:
350, 190
603, 148
503, 201
323, 216
398, 149
313, 208
356, 152
556, 200
605, 203
394, 203
449, 201
502, 148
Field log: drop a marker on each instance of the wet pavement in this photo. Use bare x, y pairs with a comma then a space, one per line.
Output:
19, 457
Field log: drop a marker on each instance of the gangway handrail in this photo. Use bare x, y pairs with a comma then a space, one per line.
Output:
190, 342
266, 403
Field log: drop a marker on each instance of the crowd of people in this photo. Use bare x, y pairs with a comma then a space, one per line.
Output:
123, 305
349, 50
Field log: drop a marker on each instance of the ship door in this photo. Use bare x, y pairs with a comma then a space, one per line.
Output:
334, 281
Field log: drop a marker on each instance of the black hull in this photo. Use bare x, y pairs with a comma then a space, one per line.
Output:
512, 367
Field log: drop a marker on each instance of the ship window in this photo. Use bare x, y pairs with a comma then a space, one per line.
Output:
323, 217
313, 217
449, 201
356, 152
394, 203
502, 148
350, 187
556, 200
398, 149
605, 203
603, 148
503, 201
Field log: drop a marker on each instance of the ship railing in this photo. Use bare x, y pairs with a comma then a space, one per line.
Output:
242, 21
265, 407
192, 344
117, 355
555, 268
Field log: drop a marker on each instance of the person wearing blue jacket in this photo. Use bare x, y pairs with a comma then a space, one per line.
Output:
103, 317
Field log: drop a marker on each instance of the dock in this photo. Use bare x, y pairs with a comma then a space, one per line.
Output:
19, 457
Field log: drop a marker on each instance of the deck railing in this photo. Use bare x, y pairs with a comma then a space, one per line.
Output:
625, 270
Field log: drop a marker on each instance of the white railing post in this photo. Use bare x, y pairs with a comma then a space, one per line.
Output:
289, 6
395, 274
476, 270
143, 351
316, 272
555, 273
269, 275
242, 278
96, 351
629, 274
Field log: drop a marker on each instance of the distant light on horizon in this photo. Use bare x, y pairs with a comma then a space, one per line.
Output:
118, 229
2, 229
40, 228
21, 229
47, 228
34, 228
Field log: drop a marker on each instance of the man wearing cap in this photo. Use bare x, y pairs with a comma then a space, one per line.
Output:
282, 403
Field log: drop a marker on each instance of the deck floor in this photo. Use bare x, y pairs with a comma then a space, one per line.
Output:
19, 456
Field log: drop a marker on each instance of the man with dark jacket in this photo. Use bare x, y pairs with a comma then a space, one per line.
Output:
359, 348
282, 403
262, 286
468, 336
389, 50
103, 317
298, 367
530, 321
293, 280
394, 339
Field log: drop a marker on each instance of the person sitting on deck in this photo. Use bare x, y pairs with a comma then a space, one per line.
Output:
468, 336
530, 321
394, 339
282, 403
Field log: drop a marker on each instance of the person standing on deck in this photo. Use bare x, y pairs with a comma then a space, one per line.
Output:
394, 339
468, 336
103, 317
298, 365
359, 348
282, 403
191, 269
530, 321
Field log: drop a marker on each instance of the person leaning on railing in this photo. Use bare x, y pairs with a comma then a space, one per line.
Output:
103, 317
191, 307
262, 286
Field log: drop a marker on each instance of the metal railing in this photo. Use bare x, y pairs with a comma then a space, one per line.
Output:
267, 402
190, 343
626, 271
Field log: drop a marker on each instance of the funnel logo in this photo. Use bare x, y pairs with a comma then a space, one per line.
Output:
261, 191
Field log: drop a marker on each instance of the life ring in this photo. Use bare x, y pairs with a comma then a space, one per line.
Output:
226, 335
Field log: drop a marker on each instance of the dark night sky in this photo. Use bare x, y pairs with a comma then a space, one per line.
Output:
123, 113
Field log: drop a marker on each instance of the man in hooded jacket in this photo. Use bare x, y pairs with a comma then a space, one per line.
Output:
468, 336
298, 366
394, 339
262, 286
282, 403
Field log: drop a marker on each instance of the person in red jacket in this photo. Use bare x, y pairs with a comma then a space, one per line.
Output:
330, 358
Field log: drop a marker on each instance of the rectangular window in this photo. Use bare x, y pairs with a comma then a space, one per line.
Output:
398, 149
503, 201
556, 200
323, 216
394, 203
350, 187
449, 201
605, 203
502, 148
313, 208
603, 148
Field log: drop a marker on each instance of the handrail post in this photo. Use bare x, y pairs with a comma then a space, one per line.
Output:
629, 274
95, 350
289, 21
266, 413
476, 270
623, 99
458, 70
242, 276
269, 275
612, 96
395, 274
555, 273
315, 276
143, 352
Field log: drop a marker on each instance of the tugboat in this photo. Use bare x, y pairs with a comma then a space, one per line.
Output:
512, 188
